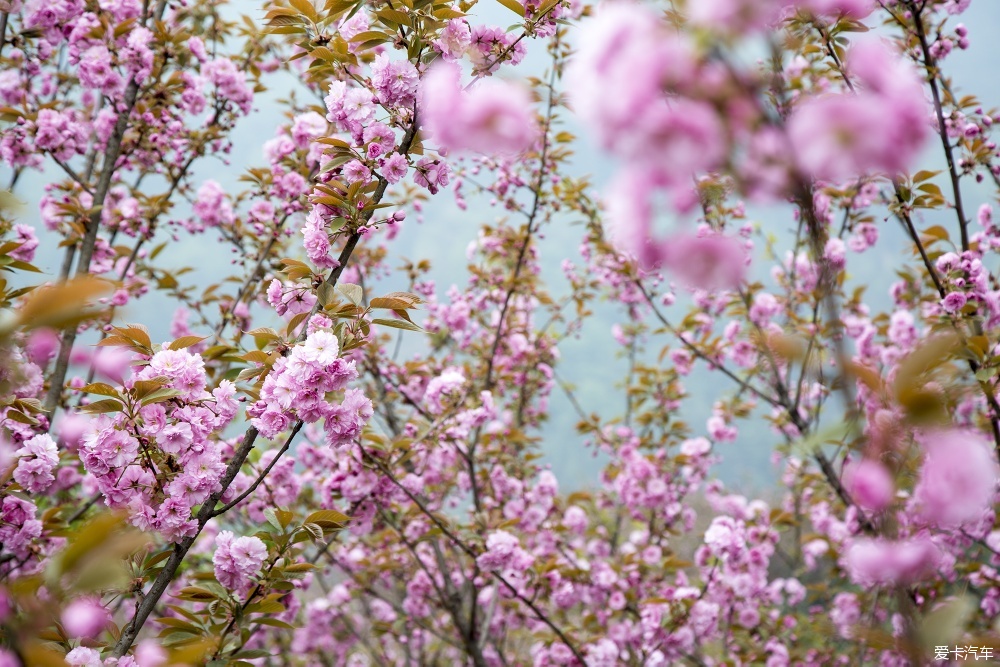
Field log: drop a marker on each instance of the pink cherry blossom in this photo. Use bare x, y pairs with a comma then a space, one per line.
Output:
237, 560
869, 484
958, 479
874, 562
492, 117
85, 617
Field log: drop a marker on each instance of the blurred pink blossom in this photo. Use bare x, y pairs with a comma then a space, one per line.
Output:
493, 117
878, 562
85, 617
869, 484
958, 479
878, 126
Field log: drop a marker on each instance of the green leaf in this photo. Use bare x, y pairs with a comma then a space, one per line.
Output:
266, 333
284, 21
514, 6
352, 292
397, 324
937, 231
59, 305
272, 518
324, 518
18, 416
160, 395
186, 341
107, 405
946, 624
814, 441
284, 517
446, 13
930, 354
390, 303
138, 333
984, 374
24, 266
546, 7
157, 558
371, 35
143, 388
196, 594
300, 567
393, 16
102, 389
306, 8
157, 250
931, 188
924, 175
252, 653
180, 624
266, 607
325, 294
312, 530
274, 623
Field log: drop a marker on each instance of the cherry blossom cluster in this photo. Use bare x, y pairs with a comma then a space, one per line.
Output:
161, 461
237, 560
297, 388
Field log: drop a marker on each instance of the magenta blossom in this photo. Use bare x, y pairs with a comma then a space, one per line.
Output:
856, 9
85, 617
879, 126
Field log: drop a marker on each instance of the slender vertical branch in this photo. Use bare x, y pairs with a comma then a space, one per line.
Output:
930, 64
3, 30
112, 153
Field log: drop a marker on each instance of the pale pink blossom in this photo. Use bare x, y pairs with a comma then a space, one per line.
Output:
237, 560
880, 127
706, 261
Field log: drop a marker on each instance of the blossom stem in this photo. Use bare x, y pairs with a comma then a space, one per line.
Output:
260, 478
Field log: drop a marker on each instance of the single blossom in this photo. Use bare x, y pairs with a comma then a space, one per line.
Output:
706, 261
84, 657
85, 618
869, 484
856, 9
880, 126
